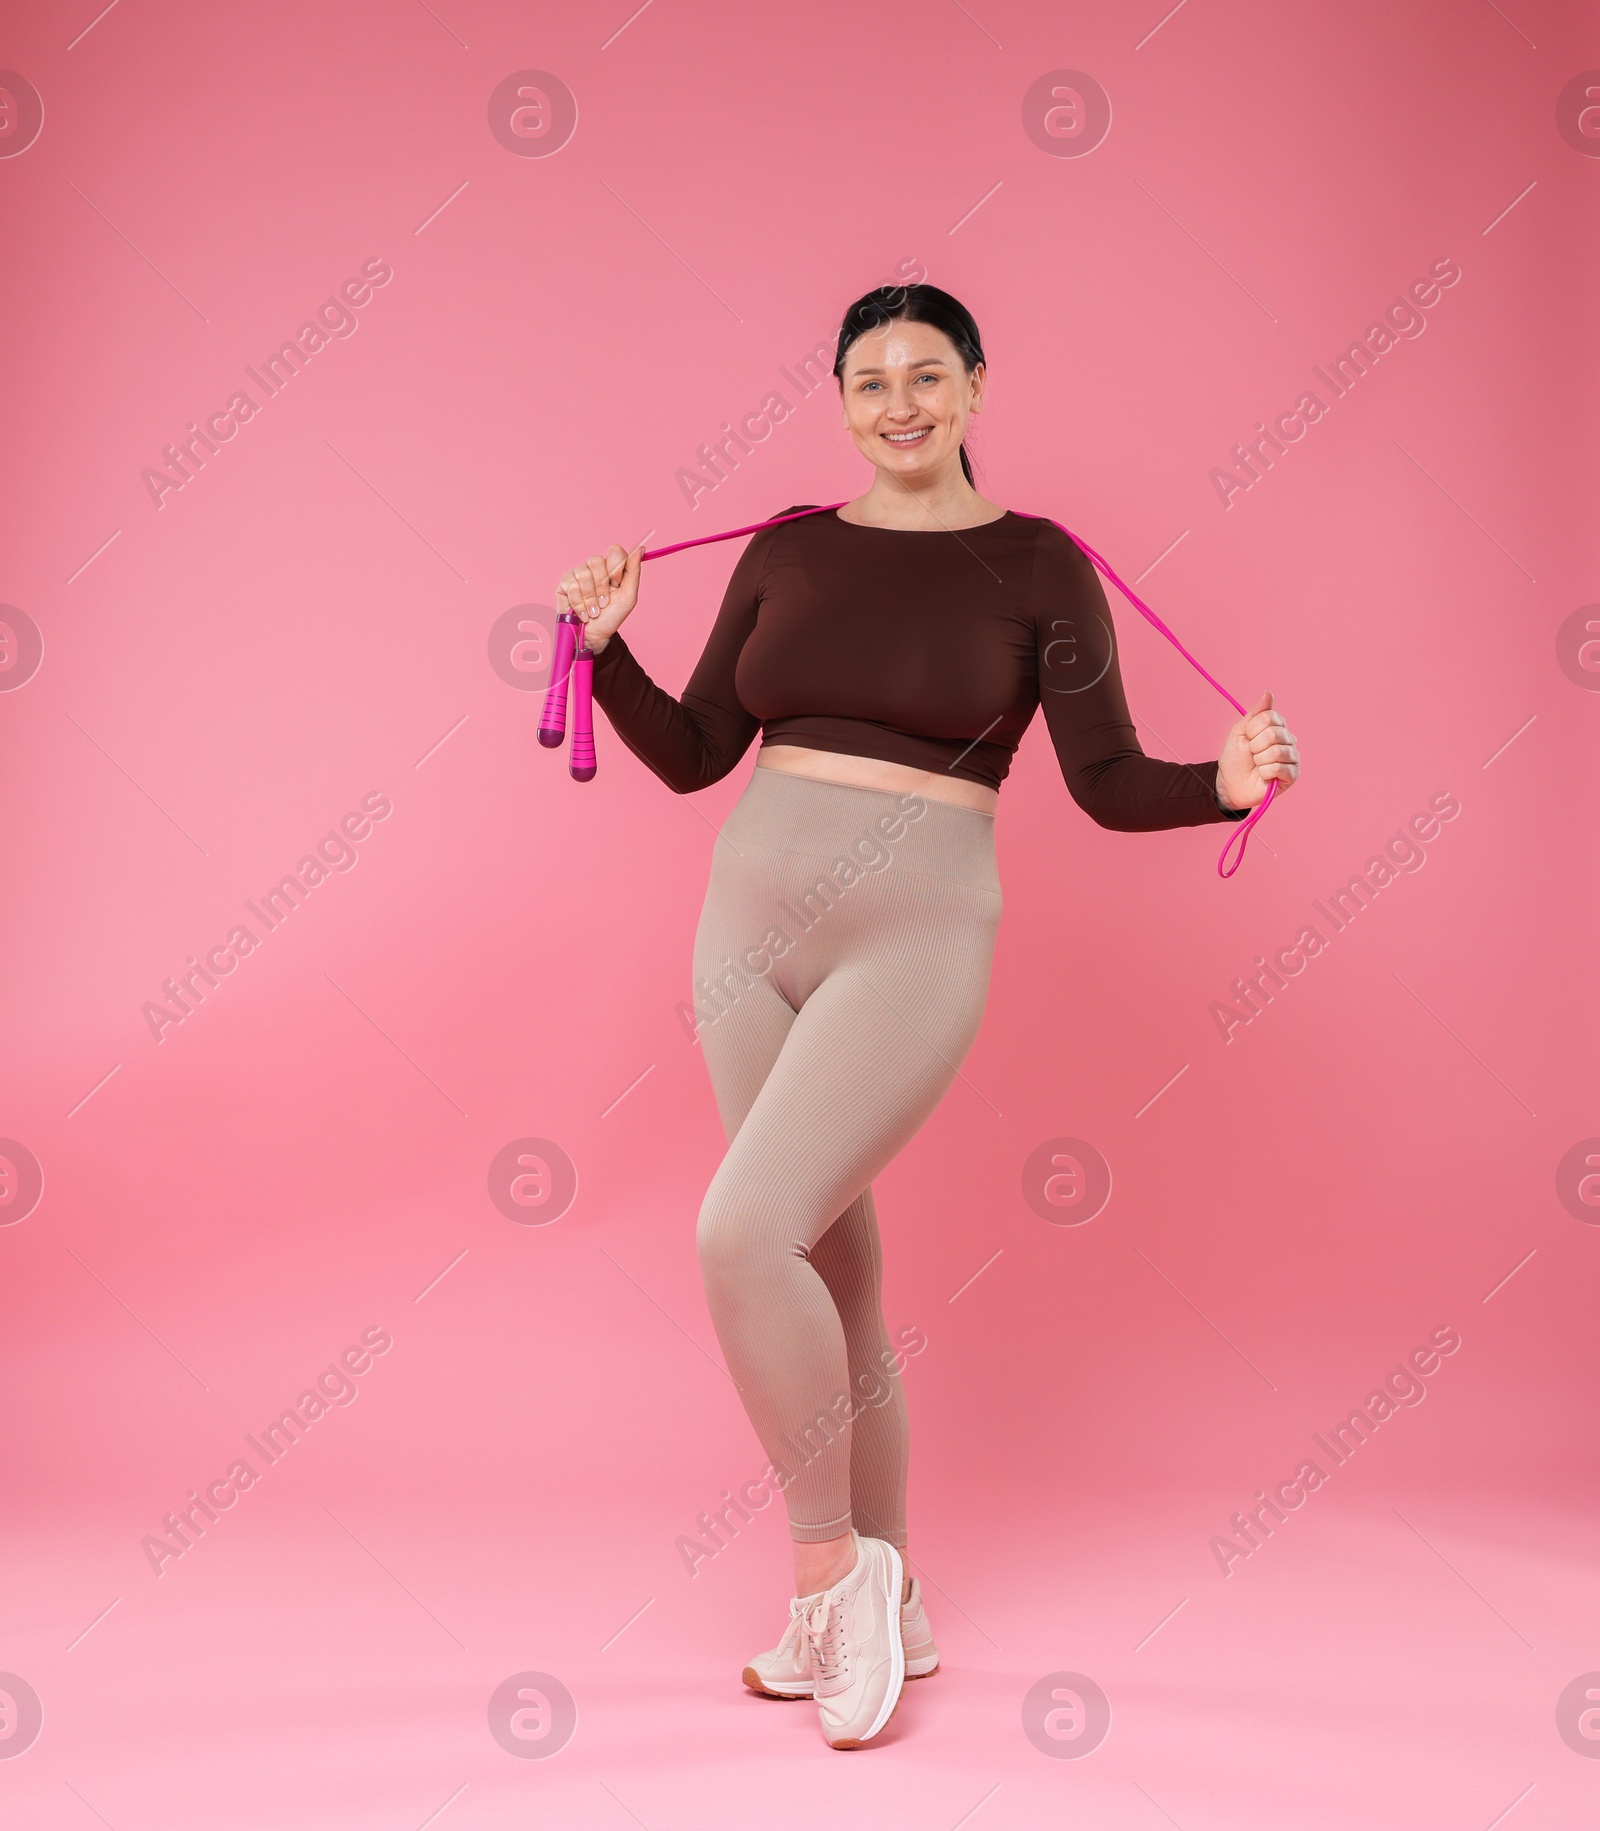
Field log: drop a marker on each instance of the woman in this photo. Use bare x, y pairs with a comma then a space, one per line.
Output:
891, 653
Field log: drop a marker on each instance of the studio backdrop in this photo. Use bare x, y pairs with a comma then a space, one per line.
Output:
370, 1459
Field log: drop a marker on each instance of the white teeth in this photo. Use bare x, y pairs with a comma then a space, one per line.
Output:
905, 438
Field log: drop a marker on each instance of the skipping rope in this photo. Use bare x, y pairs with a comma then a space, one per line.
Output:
574, 661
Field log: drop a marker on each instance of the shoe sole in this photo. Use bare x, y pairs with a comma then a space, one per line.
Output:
752, 1681
897, 1658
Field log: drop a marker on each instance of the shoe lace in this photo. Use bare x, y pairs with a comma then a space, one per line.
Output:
794, 1633
824, 1620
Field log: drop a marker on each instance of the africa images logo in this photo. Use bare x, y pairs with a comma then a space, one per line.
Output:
334, 318
183, 992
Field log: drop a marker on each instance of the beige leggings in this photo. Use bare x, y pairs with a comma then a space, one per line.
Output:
841, 968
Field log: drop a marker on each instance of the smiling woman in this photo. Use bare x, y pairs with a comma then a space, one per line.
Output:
930, 416
900, 645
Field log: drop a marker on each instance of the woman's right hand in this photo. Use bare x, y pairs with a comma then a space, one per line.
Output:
603, 590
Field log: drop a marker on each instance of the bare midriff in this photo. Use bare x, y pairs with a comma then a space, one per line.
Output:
873, 772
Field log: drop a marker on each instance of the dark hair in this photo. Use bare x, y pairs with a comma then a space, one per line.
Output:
920, 304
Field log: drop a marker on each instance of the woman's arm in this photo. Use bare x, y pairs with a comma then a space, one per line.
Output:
1086, 708
693, 741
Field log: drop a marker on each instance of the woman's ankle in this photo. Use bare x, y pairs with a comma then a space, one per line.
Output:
821, 1563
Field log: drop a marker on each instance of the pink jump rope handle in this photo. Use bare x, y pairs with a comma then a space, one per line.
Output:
582, 761
574, 662
553, 720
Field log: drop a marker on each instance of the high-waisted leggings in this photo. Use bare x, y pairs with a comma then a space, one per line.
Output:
841, 968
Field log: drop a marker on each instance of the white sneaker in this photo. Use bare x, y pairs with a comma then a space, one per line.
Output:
785, 1671
852, 1636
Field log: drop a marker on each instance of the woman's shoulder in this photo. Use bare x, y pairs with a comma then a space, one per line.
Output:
786, 521
1056, 547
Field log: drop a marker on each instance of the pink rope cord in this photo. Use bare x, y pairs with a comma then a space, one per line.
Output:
1240, 835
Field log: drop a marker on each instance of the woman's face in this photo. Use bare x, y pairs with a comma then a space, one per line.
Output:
906, 398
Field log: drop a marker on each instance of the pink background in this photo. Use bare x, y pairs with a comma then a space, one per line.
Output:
307, 622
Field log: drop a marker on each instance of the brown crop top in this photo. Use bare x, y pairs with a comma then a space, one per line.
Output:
929, 649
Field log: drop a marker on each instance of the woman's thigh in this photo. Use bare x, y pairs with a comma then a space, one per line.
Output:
841, 966
741, 1017
876, 1042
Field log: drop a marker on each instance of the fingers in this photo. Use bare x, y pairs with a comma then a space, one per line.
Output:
1274, 754
578, 591
1265, 729
587, 588
599, 570
1264, 721
1263, 752
1280, 762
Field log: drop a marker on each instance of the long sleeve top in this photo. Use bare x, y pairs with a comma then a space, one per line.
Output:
929, 649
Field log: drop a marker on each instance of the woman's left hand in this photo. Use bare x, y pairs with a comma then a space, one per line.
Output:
1258, 750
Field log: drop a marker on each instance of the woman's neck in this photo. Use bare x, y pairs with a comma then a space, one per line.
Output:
893, 503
